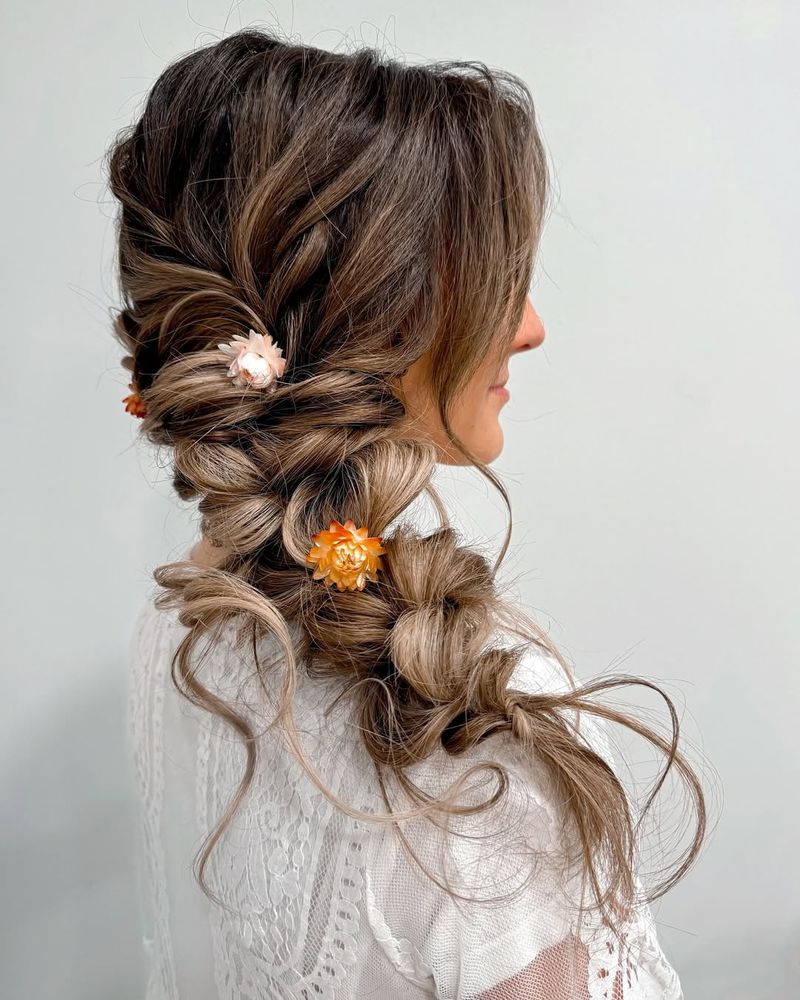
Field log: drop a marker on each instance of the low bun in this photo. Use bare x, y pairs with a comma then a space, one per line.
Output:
251, 521
445, 594
437, 671
218, 468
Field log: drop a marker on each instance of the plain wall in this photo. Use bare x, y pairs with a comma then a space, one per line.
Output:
651, 443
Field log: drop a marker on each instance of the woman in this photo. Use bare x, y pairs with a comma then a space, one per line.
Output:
396, 786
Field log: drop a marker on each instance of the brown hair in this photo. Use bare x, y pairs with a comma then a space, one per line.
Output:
364, 213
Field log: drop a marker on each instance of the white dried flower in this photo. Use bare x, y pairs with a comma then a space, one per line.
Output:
254, 361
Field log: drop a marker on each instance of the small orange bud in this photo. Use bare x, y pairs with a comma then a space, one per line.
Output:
134, 404
344, 555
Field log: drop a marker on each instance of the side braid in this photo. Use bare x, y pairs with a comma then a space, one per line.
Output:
367, 215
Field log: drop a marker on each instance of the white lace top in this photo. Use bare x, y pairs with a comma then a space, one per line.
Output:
326, 906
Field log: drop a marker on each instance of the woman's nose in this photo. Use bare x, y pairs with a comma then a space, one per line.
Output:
531, 330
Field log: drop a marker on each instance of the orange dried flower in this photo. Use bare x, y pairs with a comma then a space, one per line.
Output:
134, 404
345, 555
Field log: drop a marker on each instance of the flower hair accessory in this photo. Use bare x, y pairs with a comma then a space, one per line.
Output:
344, 555
134, 404
254, 361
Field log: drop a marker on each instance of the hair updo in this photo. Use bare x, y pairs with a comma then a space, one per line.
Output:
364, 213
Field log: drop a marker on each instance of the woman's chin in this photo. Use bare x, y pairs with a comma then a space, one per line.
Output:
492, 444
483, 438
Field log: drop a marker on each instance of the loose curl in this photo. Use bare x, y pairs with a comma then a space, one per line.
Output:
365, 213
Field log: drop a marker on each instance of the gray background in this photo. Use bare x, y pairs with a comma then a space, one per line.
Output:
651, 444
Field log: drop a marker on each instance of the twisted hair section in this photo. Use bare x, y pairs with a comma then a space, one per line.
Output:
365, 214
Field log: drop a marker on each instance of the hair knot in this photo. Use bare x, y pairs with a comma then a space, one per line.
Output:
521, 726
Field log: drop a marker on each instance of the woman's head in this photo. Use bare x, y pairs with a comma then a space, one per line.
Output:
377, 219
380, 221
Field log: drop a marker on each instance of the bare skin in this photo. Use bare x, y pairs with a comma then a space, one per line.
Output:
476, 414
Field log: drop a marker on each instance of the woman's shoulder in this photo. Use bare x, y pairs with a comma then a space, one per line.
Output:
486, 847
249, 683
518, 889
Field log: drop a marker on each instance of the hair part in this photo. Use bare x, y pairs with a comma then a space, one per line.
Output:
365, 213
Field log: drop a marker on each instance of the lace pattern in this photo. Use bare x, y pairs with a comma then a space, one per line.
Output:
320, 905
283, 940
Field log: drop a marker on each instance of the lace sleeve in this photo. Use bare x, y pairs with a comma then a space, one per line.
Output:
535, 941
